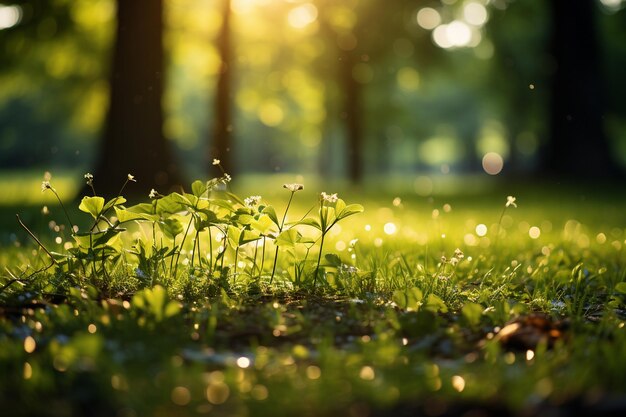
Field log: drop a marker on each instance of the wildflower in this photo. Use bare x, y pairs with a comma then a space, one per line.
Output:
153, 193
293, 187
227, 178
216, 161
510, 201
353, 242
131, 178
45, 185
331, 198
454, 261
458, 254
443, 278
444, 259
89, 178
252, 201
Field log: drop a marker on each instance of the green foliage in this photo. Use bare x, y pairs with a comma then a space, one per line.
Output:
160, 311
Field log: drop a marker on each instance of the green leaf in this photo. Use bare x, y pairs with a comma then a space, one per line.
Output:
310, 222
146, 208
96, 239
349, 211
288, 238
198, 188
172, 227
269, 210
125, 215
225, 204
263, 225
333, 259
234, 234
119, 200
621, 287
235, 198
340, 205
248, 236
472, 313
92, 205
435, 304
245, 219
208, 215
172, 203
410, 299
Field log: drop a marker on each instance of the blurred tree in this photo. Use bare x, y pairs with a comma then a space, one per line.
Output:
578, 145
133, 139
50, 81
222, 138
519, 75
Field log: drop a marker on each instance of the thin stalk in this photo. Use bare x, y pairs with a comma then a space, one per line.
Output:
181, 245
236, 259
256, 251
262, 259
319, 259
210, 249
19, 220
280, 229
63, 207
495, 243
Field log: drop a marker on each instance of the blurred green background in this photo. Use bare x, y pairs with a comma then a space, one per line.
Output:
341, 89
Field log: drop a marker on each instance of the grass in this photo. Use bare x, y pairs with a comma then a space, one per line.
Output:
523, 323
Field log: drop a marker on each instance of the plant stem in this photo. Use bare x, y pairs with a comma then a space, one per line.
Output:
262, 259
210, 249
64, 210
495, 243
319, 259
19, 220
280, 229
181, 245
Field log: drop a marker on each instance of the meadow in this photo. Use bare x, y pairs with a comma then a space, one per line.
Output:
427, 296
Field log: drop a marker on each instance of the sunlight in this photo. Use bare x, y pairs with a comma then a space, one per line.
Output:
302, 16
9, 16
458, 33
475, 14
493, 163
428, 18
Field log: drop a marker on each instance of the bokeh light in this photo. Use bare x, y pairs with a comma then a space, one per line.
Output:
475, 14
10, 16
428, 18
302, 16
493, 163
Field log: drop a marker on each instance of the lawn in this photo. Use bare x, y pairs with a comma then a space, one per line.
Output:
440, 298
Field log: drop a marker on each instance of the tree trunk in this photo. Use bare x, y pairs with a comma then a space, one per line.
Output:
578, 145
221, 147
133, 136
352, 116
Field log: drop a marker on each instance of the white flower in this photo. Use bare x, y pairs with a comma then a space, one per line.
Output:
353, 242
331, 198
153, 193
454, 261
45, 185
293, 187
216, 161
510, 201
131, 178
89, 178
227, 178
458, 254
252, 201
